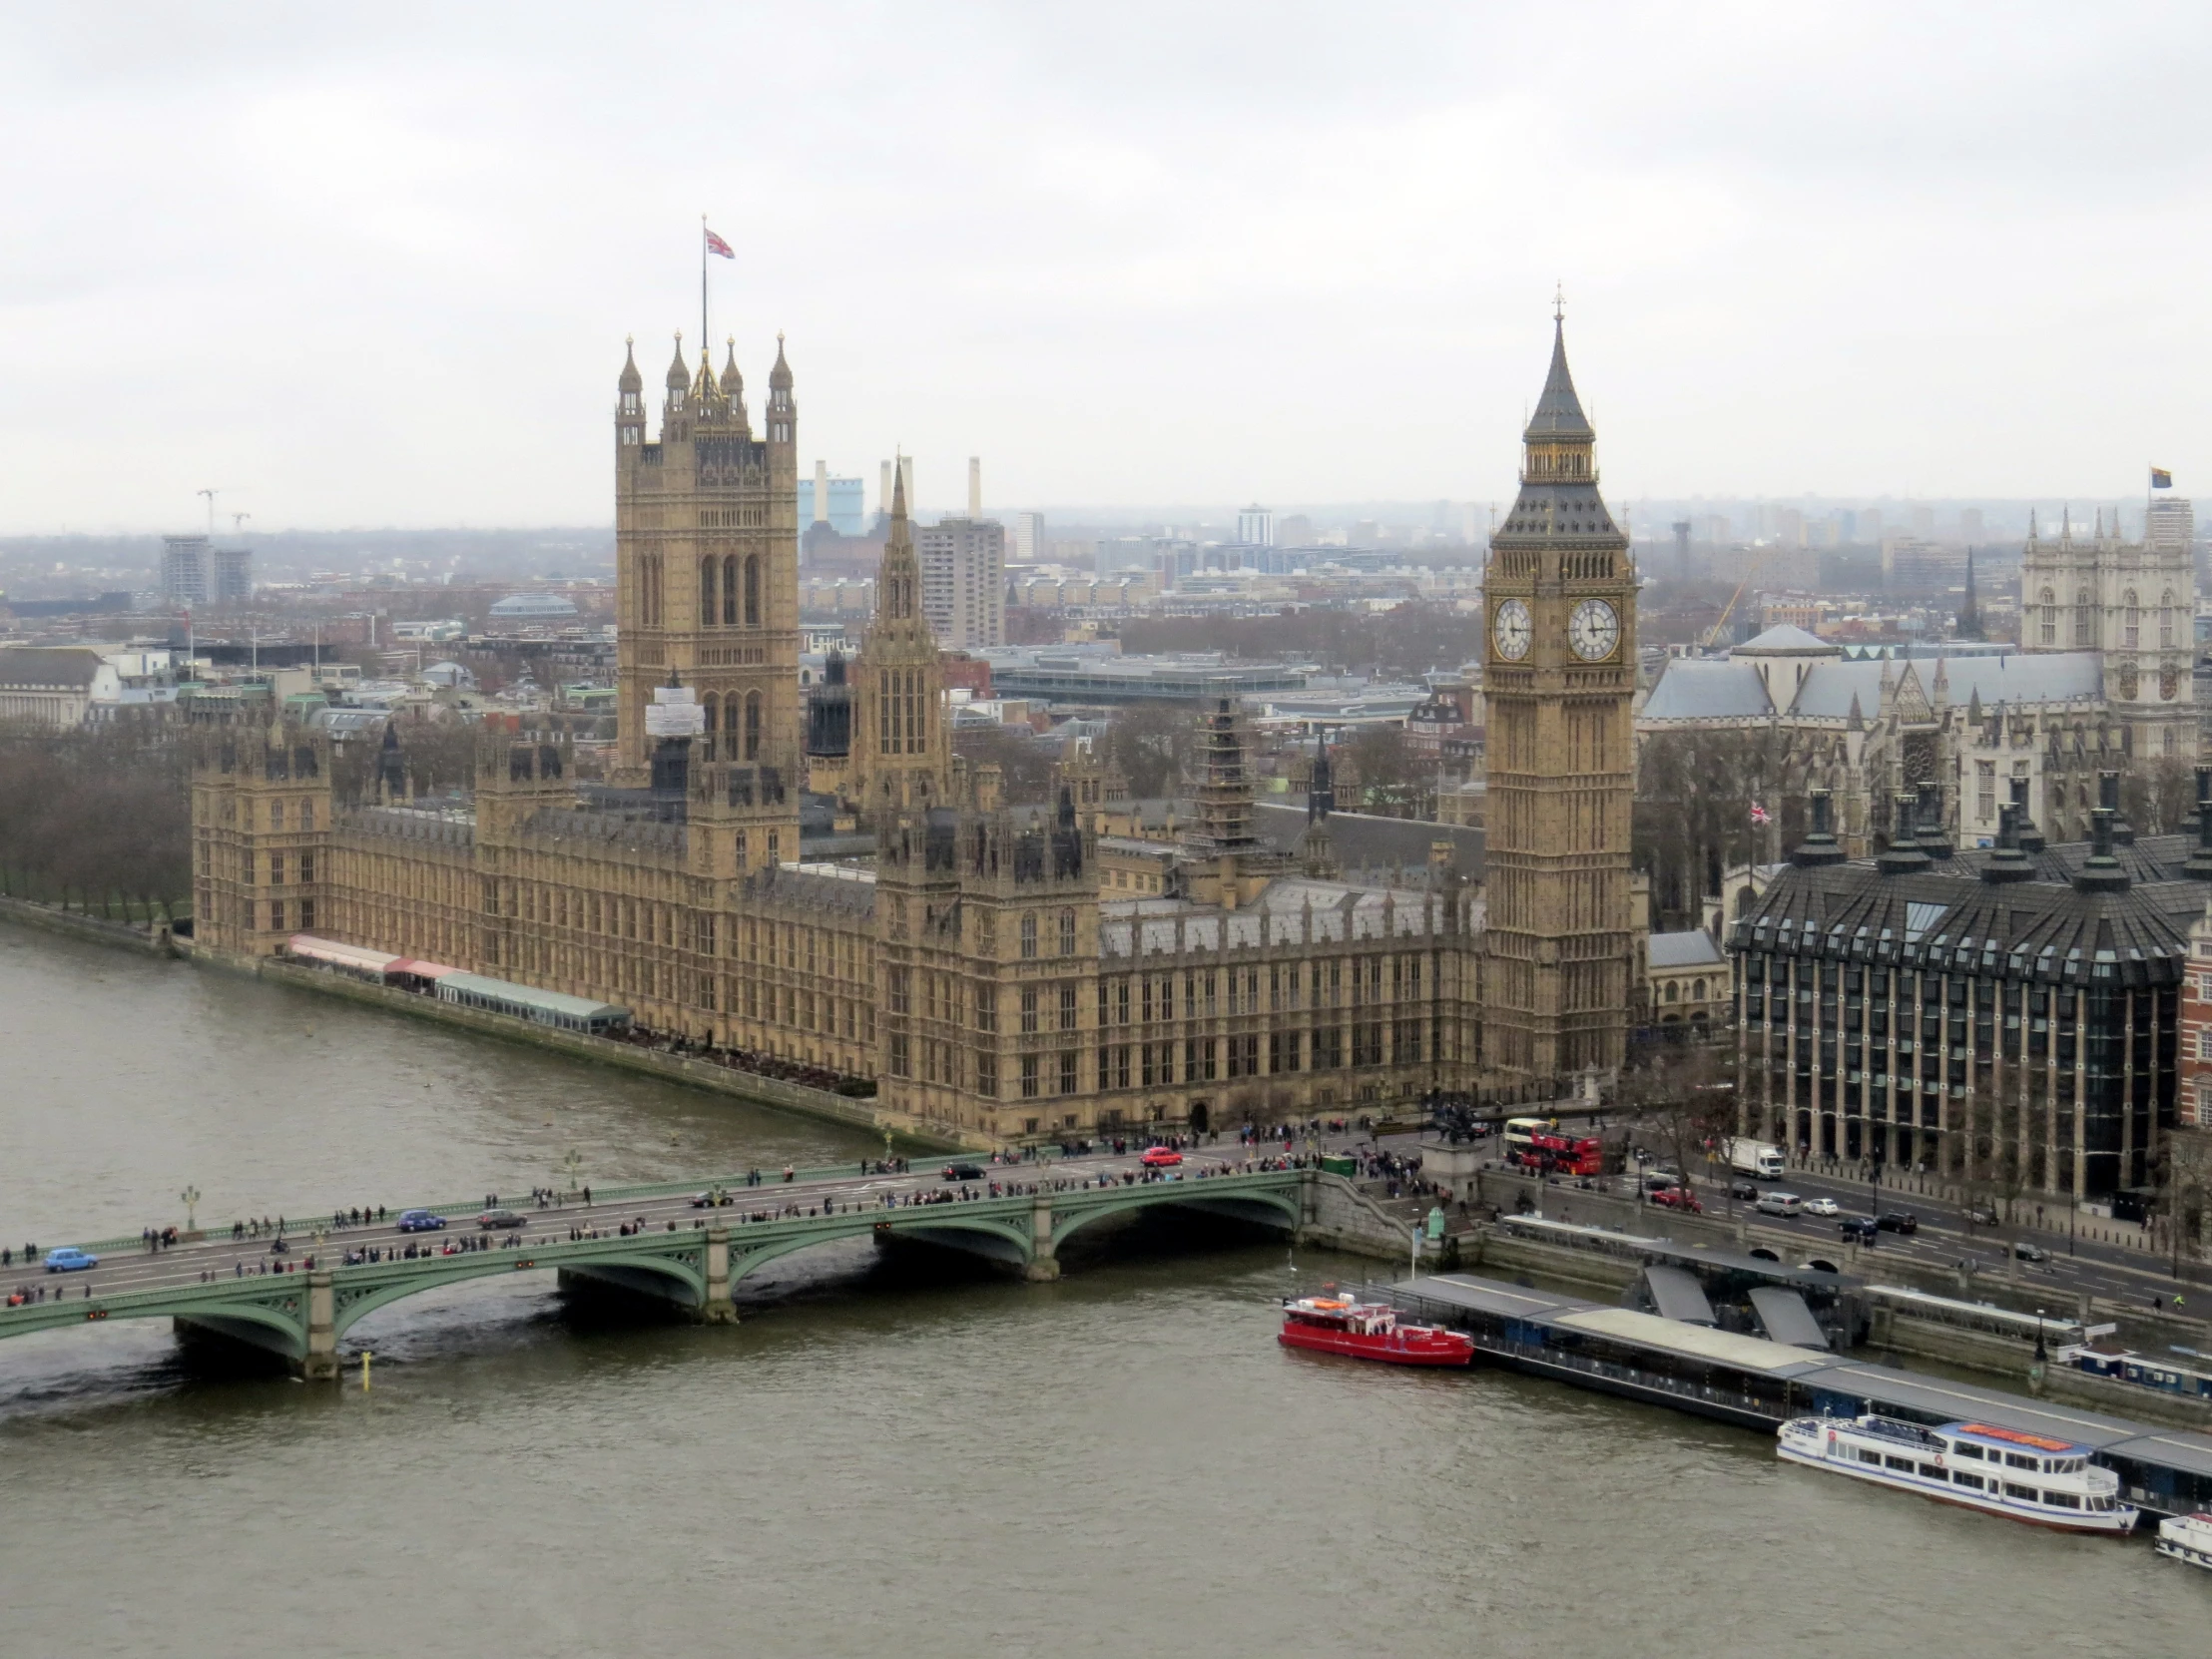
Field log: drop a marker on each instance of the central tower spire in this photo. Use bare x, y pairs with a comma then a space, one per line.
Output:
903, 752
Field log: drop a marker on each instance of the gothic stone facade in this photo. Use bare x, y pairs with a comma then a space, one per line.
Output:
975, 969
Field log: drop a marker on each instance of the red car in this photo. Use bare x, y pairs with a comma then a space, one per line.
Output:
1678, 1198
1160, 1157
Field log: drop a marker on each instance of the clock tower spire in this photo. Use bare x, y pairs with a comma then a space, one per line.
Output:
1559, 677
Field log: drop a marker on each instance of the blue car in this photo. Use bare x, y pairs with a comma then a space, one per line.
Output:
421, 1221
68, 1259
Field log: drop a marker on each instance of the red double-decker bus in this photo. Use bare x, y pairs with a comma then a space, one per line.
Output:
1536, 1143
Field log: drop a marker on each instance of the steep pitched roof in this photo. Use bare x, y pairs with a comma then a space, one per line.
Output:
1787, 640
1699, 687
1558, 411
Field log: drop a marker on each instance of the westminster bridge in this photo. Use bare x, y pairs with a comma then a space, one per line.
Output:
681, 1244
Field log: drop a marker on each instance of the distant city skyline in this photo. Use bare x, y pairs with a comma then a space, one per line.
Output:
1228, 254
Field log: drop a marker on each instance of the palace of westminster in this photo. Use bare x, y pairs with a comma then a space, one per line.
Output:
975, 964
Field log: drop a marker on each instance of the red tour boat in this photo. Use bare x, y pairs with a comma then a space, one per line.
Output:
1368, 1330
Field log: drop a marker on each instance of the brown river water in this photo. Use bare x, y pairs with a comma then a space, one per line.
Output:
906, 1457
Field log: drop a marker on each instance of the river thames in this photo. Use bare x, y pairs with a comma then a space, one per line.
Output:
899, 1458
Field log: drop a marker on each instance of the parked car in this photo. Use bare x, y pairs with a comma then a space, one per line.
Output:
501, 1221
1678, 1198
964, 1172
1160, 1157
1823, 1207
68, 1259
1861, 1229
421, 1221
1786, 1206
2026, 1252
1897, 1221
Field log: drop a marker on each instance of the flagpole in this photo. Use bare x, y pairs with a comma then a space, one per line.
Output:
703, 334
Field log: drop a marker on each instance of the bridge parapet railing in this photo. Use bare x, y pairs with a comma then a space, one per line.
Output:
305, 1224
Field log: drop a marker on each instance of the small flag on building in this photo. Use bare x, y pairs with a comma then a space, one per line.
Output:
2161, 479
715, 244
1760, 814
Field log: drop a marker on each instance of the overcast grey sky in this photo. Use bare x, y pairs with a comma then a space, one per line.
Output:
374, 265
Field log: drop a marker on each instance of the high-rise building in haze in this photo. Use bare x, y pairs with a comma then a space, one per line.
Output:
1030, 545
185, 570
230, 580
2170, 525
963, 581
1255, 527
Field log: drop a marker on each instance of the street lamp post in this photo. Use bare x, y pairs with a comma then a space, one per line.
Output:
190, 1200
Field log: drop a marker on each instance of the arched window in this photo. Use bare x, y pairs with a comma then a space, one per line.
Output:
1697, 991
2050, 617
2131, 626
1028, 935
1067, 932
752, 592
2166, 620
2081, 619
752, 725
1674, 992
706, 593
711, 708
729, 590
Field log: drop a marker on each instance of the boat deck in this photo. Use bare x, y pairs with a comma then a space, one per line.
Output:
1755, 1382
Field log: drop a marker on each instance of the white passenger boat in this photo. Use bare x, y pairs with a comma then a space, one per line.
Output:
2026, 1478
2187, 1538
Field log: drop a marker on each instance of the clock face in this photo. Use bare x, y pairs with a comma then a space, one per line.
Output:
1594, 630
1510, 630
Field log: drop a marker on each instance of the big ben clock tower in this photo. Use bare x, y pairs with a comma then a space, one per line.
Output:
1559, 675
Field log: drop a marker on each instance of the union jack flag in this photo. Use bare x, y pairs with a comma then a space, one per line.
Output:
1760, 814
715, 244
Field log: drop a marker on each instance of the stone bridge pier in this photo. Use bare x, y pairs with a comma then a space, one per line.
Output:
320, 1364
1044, 1255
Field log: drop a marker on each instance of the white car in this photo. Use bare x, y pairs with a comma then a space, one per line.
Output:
1822, 1207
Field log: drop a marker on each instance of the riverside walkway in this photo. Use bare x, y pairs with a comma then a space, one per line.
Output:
298, 1296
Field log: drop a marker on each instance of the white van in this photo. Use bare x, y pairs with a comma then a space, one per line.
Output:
1787, 1205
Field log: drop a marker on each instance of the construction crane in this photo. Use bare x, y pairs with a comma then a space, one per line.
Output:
1713, 634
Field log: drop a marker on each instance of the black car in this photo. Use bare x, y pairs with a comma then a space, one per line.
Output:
1899, 1221
1862, 1229
962, 1172
501, 1221
2026, 1252
1743, 1189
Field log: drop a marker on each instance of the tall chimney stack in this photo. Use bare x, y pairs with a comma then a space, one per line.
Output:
822, 492
975, 486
